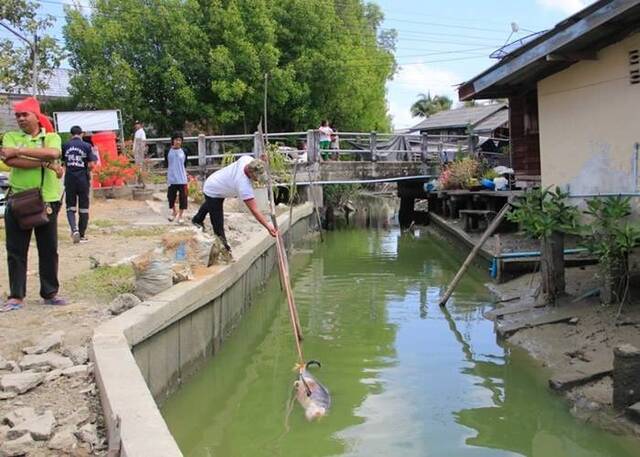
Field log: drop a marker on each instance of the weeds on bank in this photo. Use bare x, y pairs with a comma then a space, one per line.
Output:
103, 283
141, 231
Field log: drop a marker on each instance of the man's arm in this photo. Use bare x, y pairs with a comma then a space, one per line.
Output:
253, 207
46, 154
21, 162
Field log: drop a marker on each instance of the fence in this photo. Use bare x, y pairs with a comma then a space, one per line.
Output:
305, 147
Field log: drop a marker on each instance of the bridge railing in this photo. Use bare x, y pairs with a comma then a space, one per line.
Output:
206, 152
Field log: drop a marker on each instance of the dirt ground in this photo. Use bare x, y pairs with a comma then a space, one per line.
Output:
580, 347
118, 230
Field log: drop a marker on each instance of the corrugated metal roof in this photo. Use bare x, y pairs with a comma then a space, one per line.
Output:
496, 120
58, 85
460, 117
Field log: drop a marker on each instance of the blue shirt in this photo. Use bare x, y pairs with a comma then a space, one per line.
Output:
176, 172
76, 155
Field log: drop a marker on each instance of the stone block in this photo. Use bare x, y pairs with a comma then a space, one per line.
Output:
48, 343
63, 440
47, 361
21, 382
626, 376
18, 447
40, 427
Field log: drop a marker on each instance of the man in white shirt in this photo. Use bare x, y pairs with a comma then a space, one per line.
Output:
235, 180
139, 134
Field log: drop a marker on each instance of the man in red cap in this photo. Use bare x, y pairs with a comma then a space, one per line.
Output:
31, 153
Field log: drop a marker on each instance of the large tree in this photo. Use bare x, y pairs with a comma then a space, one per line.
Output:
202, 62
426, 105
28, 32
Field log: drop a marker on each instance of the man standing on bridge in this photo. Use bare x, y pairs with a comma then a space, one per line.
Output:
235, 180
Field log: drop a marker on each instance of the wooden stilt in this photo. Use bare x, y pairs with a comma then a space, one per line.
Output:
485, 236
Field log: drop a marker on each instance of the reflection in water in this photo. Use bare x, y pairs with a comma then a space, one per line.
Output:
407, 377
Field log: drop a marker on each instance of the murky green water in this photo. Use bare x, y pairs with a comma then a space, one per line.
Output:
407, 379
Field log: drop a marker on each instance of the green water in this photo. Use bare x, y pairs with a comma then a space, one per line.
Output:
406, 378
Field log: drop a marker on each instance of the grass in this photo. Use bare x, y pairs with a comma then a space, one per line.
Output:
103, 283
141, 231
104, 223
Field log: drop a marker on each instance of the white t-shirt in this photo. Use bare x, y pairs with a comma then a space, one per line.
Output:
140, 135
231, 181
325, 133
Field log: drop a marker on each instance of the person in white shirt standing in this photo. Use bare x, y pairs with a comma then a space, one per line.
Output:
235, 180
139, 133
325, 139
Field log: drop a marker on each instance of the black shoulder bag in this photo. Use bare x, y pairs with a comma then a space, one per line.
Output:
28, 207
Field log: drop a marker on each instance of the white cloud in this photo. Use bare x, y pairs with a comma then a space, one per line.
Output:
566, 6
412, 80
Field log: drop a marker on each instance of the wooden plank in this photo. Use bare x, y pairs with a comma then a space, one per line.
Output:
633, 412
498, 313
540, 316
578, 377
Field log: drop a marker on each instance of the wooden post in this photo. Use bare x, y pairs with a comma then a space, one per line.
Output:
202, 154
485, 236
373, 146
424, 146
626, 376
257, 145
470, 144
160, 150
552, 267
313, 145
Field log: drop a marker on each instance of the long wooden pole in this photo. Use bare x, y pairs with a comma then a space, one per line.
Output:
485, 236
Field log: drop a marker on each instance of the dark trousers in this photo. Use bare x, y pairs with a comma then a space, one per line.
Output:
213, 207
77, 194
179, 190
17, 243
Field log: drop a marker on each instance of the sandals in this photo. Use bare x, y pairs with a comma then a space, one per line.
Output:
10, 306
55, 301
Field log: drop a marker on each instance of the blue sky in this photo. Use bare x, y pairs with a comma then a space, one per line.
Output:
441, 43
429, 28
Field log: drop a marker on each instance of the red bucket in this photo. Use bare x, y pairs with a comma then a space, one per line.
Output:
106, 144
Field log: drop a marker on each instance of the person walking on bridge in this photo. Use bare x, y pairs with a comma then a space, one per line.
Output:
235, 180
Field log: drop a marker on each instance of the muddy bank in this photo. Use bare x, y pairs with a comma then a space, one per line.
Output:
574, 342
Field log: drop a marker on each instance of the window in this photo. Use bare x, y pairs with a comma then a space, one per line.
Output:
634, 66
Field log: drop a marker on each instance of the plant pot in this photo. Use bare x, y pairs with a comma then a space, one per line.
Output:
142, 194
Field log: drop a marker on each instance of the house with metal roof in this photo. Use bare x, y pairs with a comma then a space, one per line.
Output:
58, 87
574, 93
482, 119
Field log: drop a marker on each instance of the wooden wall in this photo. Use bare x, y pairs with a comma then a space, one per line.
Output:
525, 137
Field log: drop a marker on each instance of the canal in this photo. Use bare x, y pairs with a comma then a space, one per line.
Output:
406, 377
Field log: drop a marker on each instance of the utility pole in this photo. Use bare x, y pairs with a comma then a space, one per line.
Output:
34, 55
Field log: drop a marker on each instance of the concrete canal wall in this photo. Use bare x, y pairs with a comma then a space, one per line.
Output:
144, 354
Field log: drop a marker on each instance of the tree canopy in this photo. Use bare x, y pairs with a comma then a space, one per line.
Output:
20, 17
426, 105
201, 63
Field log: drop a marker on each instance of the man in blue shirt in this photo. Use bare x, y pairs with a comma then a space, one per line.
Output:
79, 159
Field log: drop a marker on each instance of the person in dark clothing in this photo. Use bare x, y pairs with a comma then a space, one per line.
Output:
79, 159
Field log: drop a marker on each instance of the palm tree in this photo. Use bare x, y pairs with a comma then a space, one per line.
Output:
426, 105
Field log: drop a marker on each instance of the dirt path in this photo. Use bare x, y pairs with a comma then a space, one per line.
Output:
91, 274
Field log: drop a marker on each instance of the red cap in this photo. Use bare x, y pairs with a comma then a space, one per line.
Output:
31, 105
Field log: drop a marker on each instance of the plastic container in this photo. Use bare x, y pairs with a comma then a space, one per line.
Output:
106, 144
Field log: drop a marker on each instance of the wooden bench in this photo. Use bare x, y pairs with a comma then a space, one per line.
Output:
476, 219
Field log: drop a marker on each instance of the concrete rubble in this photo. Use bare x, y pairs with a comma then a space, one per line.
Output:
78, 354
39, 426
45, 362
20, 383
48, 343
122, 303
18, 447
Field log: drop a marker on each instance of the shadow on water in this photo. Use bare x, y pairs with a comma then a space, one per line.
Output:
407, 378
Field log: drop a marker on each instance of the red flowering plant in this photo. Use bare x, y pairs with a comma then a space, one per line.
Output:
115, 171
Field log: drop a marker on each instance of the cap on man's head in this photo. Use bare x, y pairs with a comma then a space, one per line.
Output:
76, 130
257, 169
